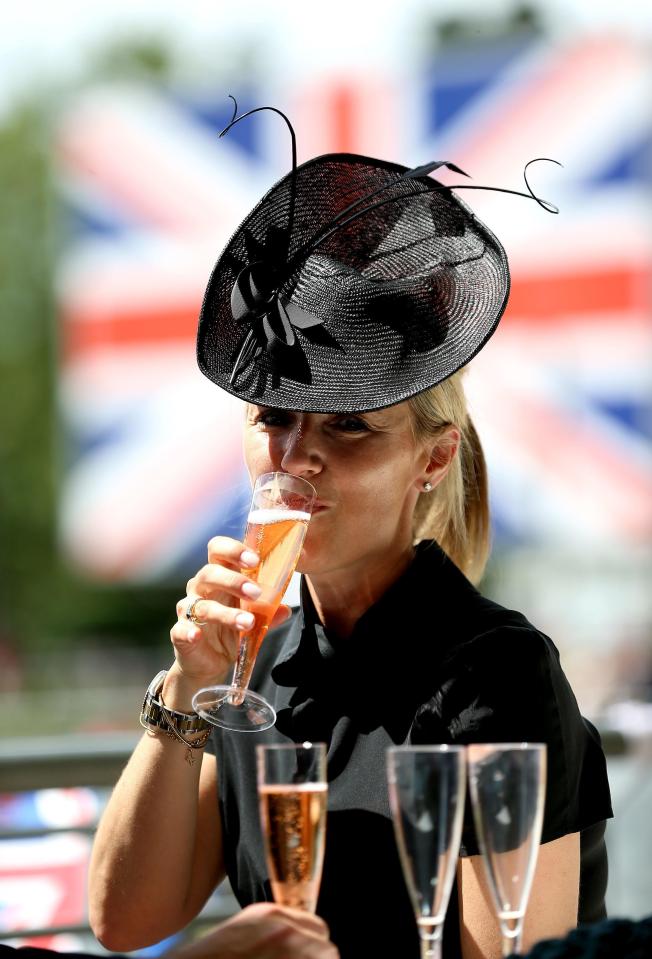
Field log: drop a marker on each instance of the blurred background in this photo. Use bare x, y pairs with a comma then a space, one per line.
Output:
118, 461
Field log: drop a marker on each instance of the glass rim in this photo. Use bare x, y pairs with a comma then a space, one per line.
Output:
436, 748
522, 746
262, 477
279, 747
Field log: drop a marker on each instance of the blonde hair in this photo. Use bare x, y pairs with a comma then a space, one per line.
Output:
456, 512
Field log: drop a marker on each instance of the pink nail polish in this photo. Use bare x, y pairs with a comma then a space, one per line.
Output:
252, 590
249, 558
244, 620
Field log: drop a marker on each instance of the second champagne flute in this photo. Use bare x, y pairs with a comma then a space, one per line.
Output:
281, 507
293, 793
508, 784
426, 795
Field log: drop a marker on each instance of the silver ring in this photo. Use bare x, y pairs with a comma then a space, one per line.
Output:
190, 612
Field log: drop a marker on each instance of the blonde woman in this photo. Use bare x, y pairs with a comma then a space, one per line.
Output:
341, 313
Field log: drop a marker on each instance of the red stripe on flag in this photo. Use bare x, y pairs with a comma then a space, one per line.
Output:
556, 298
134, 326
579, 294
344, 103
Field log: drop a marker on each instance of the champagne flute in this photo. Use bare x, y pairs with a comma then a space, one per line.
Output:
507, 782
280, 510
426, 792
293, 793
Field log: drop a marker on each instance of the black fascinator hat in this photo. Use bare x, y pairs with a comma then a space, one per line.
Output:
353, 284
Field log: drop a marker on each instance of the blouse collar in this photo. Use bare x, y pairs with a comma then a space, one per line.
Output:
308, 646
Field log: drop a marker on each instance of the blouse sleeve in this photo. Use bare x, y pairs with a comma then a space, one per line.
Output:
507, 685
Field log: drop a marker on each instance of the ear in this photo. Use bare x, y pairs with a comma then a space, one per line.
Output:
441, 455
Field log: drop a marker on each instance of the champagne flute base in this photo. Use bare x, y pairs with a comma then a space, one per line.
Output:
239, 710
511, 933
430, 935
430, 948
511, 947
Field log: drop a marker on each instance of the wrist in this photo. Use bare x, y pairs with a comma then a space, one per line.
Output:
178, 688
157, 716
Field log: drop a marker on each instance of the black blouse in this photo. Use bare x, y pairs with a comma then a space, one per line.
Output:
433, 661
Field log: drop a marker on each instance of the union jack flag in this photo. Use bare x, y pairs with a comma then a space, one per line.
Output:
561, 395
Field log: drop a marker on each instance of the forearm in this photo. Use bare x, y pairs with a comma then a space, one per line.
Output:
157, 853
552, 907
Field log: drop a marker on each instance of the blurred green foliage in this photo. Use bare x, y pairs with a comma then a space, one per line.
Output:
27, 475
487, 27
45, 605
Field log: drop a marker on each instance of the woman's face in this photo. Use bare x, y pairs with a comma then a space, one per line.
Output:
367, 468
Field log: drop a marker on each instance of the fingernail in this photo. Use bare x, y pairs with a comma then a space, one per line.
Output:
252, 590
249, 558
193, 634
245, 620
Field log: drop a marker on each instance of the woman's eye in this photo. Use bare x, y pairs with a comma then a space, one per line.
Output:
272, 418
351, 424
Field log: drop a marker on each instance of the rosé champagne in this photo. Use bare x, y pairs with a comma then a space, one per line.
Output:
281, 506
277, 536
293, 818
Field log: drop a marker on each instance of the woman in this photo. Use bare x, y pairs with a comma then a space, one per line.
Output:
341, 312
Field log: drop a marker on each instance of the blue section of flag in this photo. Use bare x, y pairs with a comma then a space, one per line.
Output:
458, 76
82, 222
114, 433
503, 533
215, 114
634, 415
227, 516
632, 164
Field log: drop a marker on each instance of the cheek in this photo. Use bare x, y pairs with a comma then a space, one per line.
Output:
378, 485
257, 454
389, 471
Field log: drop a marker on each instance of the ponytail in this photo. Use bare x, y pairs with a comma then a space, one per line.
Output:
456, 512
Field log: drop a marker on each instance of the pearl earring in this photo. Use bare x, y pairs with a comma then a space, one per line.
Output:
427, 487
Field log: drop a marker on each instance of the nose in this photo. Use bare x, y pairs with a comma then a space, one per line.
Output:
302, 454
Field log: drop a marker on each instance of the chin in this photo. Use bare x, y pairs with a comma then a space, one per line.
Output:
305, 565
322, 550
311, 561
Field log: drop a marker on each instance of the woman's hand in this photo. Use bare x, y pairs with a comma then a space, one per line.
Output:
204, 654
264, 931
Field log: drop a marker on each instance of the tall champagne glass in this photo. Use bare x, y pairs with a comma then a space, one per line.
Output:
280, 510
293, 793
426, 792
508, 783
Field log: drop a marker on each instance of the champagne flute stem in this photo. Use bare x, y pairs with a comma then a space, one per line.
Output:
511, 945
511, 932
430, 948
430, 942
244, 665
243, 668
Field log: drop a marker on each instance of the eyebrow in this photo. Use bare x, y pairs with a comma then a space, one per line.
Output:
382, 417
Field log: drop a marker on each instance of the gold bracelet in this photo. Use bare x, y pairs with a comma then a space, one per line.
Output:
152, 717
156, 717
174, 733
